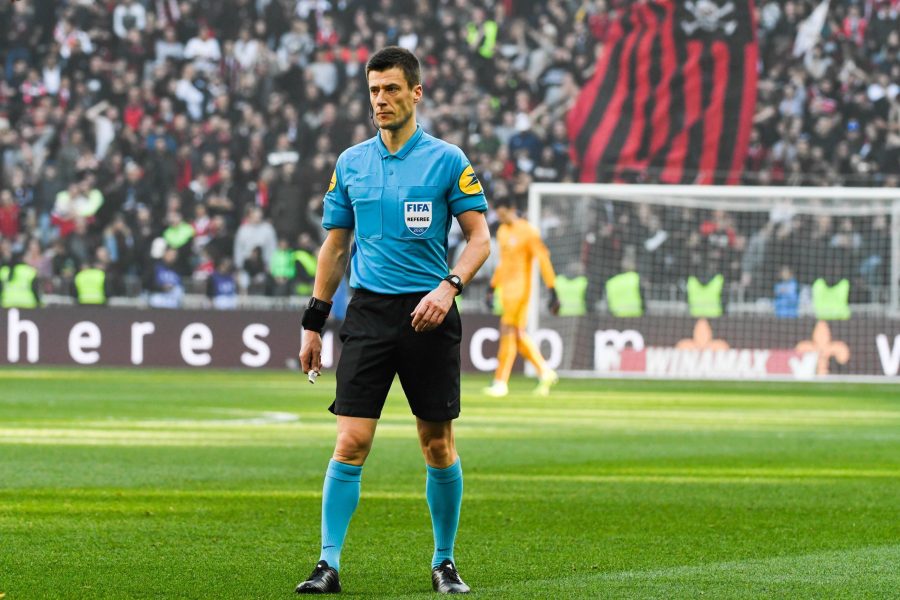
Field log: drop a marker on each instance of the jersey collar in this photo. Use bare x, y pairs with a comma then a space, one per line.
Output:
407, 147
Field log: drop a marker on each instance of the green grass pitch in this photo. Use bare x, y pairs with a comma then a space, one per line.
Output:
203, 484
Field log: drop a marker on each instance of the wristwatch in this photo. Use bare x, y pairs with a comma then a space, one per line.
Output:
456, 282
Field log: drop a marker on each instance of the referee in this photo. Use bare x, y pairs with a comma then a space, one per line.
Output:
395, 196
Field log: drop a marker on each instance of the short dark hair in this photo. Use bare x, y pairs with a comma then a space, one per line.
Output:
395, 56
503, 201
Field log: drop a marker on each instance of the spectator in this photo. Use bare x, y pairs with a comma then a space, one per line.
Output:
168, 48
787, 295
19, 284
254, 234
119, 242
285, 202
204, 51
246, 50
254, 277
80, 201
187, 92
164, 283
282, 269
221, 287
129, 16
178, 236
9, 216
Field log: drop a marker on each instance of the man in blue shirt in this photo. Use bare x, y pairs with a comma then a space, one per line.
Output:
395, 196
787, 295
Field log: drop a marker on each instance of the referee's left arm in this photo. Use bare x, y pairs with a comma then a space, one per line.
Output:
478, 245
432, 309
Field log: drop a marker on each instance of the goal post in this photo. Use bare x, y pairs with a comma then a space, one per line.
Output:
733, 282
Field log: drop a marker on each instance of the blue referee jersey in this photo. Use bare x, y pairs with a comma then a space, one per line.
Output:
400, 206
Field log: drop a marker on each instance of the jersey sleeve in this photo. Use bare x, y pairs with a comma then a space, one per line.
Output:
337, 212
465, 192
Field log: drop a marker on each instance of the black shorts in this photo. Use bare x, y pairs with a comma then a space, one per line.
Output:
378, 342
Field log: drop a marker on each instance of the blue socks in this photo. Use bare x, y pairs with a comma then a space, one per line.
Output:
443, 489
340, 495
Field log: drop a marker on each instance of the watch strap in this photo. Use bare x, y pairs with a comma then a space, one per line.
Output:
455, 281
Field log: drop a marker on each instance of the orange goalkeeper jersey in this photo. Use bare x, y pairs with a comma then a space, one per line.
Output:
520, 243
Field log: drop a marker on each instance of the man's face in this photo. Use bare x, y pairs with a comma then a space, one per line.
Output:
393, 101
505, 214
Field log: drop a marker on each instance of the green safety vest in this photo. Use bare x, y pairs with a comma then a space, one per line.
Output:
89, 284
705, 300
283, 264
498, 301
178, 235
831, 303
308, 261
623, 295
572, 295
489, 42
17, 292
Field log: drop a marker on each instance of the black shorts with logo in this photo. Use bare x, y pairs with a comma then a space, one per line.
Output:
378, 342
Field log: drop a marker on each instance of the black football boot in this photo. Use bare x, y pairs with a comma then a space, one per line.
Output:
323, 580
446, 580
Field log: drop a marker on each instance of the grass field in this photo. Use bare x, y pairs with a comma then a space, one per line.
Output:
199, 484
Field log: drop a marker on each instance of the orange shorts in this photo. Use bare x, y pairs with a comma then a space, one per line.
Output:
515, 312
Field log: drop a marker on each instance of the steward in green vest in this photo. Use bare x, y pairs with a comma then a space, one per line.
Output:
705, 300
178, 236
283, 264
495, 301
178, 233
19, 285
90, 286
831, 303
306, 274
282, 270
572, 294
482, 30
623, 295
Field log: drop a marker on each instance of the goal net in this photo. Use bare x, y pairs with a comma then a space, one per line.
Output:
720, 282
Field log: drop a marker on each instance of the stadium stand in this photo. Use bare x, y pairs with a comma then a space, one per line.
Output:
214, 126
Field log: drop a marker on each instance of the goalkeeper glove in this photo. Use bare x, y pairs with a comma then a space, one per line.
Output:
553, 305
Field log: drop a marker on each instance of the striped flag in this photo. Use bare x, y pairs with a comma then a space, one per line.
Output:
672, 96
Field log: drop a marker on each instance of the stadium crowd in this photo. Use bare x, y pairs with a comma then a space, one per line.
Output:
171, 142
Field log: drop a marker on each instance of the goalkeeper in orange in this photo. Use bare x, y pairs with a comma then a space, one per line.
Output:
520, 243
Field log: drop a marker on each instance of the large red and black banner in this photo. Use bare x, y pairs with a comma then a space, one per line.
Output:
672, 97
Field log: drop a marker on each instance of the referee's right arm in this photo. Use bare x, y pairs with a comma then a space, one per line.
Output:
332, 264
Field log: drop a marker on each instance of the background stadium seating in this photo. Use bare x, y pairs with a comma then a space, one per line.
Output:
121, 118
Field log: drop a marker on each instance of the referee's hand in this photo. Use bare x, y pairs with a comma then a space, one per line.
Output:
432, 309
311, 352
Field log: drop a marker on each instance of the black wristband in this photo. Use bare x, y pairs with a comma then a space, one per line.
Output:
316, 314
